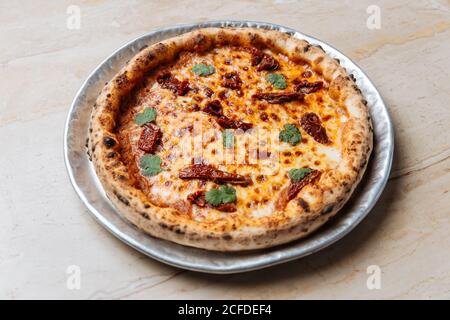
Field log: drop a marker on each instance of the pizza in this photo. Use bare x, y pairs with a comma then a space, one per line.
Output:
230, 139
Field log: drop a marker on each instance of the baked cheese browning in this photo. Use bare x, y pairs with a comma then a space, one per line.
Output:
214, 108
233, 93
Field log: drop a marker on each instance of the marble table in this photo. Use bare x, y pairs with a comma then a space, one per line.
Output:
50, 247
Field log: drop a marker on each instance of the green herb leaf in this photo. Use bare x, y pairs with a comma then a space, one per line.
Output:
290, 134
214, 197
224, 194
277, 80
203, 70
148, 115
298, 174
228, 138
150, 165
228, 194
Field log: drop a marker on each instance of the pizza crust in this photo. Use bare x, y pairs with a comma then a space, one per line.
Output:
325, 197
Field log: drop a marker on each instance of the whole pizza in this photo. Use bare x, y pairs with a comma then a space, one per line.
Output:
230, 138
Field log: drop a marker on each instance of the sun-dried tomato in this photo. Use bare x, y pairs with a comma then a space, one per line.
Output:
279, 97
307, 87
232, 81
168, 81
311, 123
209, 172
149, 138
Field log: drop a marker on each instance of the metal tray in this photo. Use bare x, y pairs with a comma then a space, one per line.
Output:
84, 180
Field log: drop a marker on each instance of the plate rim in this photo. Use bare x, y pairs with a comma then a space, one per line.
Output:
121, 235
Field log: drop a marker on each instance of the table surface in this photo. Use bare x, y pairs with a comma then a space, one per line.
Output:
46, 230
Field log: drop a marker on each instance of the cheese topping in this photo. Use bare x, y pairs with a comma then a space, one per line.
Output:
190, 135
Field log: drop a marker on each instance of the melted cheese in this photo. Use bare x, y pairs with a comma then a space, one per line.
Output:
193, 136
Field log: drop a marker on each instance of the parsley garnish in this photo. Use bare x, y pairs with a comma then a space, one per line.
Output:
224, 194
298, 174
228, 138
150, 165
203, 70
214, 197
148, 115
290, 134
277, 80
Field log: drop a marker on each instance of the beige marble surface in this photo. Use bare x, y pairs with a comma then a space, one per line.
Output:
45, 228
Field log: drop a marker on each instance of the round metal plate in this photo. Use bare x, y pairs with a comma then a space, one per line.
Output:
87, 186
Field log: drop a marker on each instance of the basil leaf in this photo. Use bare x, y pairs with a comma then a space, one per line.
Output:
224, 194
290, 134
228, 194
148, 115
277, 80
228, 138
214, 197
298, 174
203, 70
150, 165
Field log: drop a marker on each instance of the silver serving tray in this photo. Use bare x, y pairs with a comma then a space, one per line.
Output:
89, 189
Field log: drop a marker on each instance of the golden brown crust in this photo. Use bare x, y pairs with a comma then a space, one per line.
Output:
297, 220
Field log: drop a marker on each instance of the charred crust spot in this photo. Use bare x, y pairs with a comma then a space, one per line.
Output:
302, 203
150, 57
109, 142
161, 48
121, 198
320, 48
111, 154
327, 210
144, 215
122, 79
227, 237
179, 231
199, 39
318, 60
306, 48
164, 226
